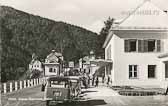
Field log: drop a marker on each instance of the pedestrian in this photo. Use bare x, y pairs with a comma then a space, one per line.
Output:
93, 80
97, 81
103, 78
108, 80
166, 91
88, 81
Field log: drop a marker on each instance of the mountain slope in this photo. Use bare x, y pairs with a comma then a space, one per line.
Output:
24, 34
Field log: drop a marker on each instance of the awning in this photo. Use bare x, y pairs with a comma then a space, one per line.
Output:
101, 62
163, 57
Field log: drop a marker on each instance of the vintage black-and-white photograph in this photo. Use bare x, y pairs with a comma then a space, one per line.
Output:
84, 52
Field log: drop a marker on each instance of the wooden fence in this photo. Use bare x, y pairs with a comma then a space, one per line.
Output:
18, 85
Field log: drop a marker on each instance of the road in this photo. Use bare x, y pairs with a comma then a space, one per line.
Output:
99, 96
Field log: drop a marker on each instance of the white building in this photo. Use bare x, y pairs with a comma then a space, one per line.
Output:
137, 47
35, 65
52, 64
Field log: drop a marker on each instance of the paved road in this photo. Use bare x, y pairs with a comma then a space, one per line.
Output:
100, 96
33, 93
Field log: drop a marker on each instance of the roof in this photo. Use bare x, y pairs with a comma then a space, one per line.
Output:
101, 62
51, 63
55, 54
53, 57
146, 16
33, 61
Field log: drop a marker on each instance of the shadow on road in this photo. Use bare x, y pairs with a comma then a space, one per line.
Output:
87, 91
84, 103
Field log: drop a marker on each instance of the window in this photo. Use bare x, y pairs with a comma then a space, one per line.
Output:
151, 45
50, 69
151, 71
131, 45
143, 46
54, 70
133, 71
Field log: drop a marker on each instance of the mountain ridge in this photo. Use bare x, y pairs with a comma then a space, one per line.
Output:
24, 34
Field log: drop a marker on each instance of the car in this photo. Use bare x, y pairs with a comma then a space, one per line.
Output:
62, 89
75, 85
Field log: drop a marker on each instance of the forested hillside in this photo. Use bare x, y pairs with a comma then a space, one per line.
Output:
24, 34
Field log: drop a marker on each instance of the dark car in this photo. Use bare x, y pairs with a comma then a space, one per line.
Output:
62, 89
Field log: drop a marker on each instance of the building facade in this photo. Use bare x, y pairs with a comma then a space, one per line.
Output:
35, 65
135, 46
53, 64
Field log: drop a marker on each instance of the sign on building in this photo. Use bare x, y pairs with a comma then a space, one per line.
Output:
71, 64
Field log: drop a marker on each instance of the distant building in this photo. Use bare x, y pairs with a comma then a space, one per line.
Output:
53, 64
35, 64
87, 66
138, 48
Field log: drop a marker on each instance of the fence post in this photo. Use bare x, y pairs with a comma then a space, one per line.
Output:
16, 86
10, 87
4, 87
37, 81
34, 82
28, 83
20, 85
24, 83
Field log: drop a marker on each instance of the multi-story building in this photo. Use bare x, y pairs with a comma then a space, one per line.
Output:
53, 64
138, 48
35, 65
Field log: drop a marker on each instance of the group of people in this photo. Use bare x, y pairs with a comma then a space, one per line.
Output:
94, 80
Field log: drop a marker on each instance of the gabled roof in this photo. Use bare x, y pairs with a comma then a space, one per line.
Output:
33, 61
145, 16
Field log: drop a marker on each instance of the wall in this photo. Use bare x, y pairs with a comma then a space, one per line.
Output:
122, 60
111, 43
47, 67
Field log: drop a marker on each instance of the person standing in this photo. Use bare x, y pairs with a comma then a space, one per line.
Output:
108, 80
93, 80
97, 81
103, 78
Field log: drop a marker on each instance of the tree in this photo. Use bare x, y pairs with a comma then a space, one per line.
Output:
102, 36
24, 34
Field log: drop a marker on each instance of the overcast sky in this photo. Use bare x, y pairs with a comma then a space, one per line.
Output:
89, 14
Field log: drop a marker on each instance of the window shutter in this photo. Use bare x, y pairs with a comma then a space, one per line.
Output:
158, 46
145, 46
140, 46
126, 44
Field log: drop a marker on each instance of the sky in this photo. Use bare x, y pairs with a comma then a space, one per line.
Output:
89, 14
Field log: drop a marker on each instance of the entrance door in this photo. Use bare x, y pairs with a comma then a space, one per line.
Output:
166, 69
